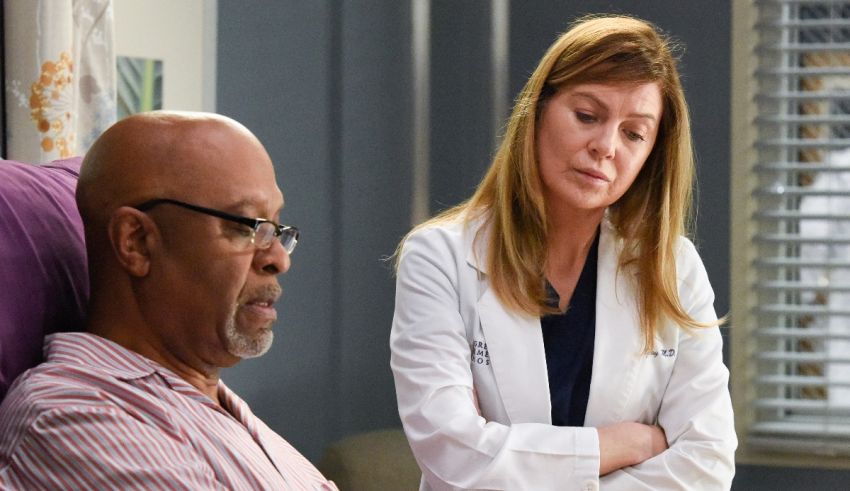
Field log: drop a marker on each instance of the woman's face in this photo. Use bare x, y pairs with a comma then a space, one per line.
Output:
592, 140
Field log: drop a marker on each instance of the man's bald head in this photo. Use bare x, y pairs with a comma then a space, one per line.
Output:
152, 155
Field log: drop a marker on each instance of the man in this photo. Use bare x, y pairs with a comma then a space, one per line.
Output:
183, 283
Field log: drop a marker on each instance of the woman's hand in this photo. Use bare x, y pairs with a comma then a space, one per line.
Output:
626, 444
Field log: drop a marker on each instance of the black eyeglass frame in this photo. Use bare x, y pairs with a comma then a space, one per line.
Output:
253, 223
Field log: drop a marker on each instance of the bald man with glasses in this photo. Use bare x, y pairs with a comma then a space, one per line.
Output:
180, 213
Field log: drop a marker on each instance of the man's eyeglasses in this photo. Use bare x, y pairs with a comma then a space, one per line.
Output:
263, 232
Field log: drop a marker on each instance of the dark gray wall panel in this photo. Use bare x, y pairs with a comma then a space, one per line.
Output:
326, 87
462, 137
274, 76
375, 185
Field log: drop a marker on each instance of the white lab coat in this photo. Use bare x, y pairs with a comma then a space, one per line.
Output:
473, 390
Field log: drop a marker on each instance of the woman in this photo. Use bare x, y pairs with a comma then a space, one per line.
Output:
556, 330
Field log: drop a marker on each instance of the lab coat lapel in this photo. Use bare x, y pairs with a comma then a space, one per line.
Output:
515, 345
617, 345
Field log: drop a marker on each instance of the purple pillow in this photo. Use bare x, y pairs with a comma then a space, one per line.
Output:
44, 283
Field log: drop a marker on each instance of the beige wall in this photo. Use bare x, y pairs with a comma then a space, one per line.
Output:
181, 34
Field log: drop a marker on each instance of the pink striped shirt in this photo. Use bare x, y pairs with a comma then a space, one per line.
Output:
98, 416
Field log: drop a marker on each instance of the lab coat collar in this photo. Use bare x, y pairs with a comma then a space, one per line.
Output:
477, 235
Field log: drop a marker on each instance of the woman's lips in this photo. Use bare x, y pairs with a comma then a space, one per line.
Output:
593, 175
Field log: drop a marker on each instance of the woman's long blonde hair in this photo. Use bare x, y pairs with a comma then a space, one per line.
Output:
650, 217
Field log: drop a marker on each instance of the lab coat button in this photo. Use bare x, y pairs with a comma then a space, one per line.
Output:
590, 485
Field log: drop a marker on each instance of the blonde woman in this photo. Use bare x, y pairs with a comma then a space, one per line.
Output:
557, 330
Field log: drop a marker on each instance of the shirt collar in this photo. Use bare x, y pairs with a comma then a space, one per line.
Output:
97, 353
91, 350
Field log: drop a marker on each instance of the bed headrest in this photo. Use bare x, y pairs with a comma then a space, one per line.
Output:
44, 283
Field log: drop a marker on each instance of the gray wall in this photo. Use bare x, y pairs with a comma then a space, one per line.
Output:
275, 75
462, 138
326, 85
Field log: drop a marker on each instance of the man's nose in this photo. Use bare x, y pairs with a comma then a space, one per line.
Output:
274, 260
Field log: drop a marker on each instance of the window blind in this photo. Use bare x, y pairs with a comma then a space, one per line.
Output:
800, 364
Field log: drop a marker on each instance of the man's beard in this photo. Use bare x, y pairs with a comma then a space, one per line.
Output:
243, 345
250, 343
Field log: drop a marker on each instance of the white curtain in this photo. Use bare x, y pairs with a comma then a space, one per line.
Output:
60, 76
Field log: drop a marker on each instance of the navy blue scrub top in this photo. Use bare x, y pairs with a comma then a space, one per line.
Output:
568, 342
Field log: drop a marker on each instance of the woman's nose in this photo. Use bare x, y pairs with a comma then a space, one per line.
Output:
604, 143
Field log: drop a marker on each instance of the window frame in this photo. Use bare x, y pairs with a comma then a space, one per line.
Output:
743, 137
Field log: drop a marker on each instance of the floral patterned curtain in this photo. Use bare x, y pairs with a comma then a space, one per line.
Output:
59, 76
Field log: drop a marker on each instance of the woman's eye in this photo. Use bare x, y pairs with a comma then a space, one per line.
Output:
633, 136
584, 117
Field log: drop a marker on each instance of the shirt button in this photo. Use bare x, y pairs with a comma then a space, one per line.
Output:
590, 485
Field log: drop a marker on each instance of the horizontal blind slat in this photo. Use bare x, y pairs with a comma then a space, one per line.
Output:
793, 95
785, 48
802, 72
799, 381
773, 3
779, 24
780, 262
810, 357
778, 190
799, 166
799, 333
809, 405
825, 143
837, 287
804, 119
834, 428
801, 239
772, 217
794, 309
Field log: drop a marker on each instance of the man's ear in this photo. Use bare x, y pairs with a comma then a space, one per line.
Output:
130, 232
